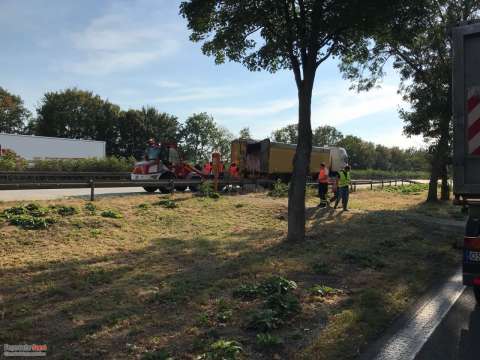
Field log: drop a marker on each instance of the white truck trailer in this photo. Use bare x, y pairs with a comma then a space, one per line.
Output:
42, 147
466, 144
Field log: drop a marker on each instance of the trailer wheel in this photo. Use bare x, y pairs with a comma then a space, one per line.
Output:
150, 189
476, 290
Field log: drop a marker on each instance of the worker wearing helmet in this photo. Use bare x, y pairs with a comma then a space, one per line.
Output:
323, 185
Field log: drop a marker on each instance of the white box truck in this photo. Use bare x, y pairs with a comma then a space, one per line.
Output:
42, 147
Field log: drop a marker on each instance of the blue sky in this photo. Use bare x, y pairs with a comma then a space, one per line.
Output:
137, 52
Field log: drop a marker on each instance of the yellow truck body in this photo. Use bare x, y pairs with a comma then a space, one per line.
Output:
268, 158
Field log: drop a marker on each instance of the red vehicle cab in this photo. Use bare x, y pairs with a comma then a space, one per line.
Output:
163, 162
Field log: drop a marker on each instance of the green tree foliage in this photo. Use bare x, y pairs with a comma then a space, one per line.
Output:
245, 133
288, 134
222, 142
322, 135
326, 136
297, 35
420, 48
13, 114
361, 153
78, 114
200, 136
135, 127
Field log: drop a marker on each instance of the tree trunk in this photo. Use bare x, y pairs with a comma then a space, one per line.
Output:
445, 189
301, 163
432, 186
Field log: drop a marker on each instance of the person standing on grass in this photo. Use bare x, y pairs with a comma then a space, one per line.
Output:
344, 181
334, 181
323, 185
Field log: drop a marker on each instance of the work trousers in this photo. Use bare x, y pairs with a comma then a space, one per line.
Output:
322, 193
343, 193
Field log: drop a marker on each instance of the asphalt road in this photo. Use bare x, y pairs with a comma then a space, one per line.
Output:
50, 194
458, 335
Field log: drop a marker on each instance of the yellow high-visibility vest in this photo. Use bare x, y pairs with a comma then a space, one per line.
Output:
344, 178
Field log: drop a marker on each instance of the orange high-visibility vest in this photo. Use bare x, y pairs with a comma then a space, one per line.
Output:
323, 176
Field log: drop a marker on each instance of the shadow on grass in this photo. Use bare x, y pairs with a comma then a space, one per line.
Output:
93, 308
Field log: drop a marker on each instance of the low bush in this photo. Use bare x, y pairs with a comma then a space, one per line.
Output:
323, 290
277, 285
114, 214
280, 189
284, 305
206, 190
268, 341
107, 164
66, 210
223, 350
166, 203
29, 222
264, 320
90, 207
10, 161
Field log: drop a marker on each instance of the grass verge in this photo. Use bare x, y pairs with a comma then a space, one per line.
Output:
214, 278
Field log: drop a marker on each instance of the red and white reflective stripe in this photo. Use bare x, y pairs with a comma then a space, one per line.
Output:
473, 116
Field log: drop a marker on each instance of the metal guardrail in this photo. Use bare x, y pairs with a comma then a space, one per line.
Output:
11, 180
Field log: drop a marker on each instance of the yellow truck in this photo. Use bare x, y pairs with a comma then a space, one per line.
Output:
270, 159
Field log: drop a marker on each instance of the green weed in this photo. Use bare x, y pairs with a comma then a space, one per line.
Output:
268, 341
280, 189
223, 350
111, 214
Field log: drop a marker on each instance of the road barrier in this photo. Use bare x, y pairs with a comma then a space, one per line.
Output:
12, 180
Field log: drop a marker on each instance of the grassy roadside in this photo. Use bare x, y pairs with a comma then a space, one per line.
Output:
211, 278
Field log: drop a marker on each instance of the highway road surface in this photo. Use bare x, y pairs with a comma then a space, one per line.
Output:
51, 194
458, 335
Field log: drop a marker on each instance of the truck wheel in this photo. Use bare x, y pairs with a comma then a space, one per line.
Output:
166, 176
150, 189
476, 290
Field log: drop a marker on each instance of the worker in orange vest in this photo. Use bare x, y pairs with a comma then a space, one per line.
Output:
233, 170
323, 185
207, 168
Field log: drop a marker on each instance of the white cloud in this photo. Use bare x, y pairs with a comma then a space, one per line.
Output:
269, 108
335, 104
167, 84
122, 39
188, 93
397, 138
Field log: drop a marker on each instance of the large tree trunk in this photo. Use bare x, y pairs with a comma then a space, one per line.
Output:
445, 189
301, 162
432, 186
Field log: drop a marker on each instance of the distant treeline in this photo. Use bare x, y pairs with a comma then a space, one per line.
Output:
79, 114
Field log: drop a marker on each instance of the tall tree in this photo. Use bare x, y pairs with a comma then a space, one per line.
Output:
135, 127
245, 133
78, 114
13, 114
420, 48
326, 136
361, 153
297, 35
288, 134
199, 137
